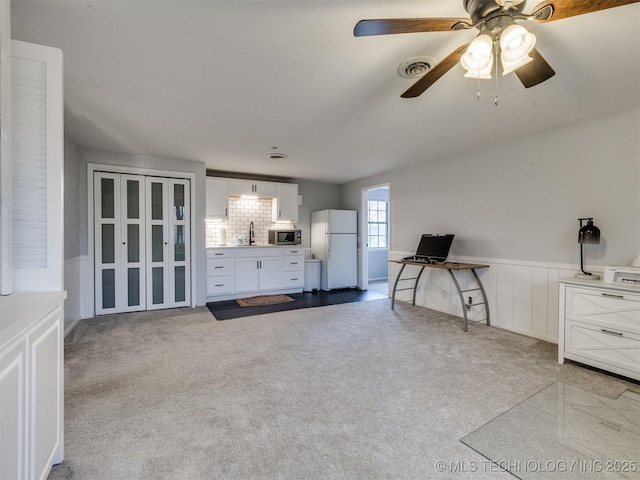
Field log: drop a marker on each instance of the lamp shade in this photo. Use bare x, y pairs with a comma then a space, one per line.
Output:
589, 233
478, 59
515, 45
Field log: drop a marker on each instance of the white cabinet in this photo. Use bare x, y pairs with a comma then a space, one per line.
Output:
285, 204
219, 271
217, 198
251, 188
293, 267
257, 269
31, 384
600, 326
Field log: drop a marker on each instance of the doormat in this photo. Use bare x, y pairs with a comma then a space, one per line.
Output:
263, 300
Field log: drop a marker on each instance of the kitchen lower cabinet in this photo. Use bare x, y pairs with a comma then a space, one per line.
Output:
254, 273
31, 384
600, 325
236, 272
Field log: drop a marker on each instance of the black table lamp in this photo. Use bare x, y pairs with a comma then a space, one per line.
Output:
589, 234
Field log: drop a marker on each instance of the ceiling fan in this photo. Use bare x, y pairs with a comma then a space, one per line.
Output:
499, 31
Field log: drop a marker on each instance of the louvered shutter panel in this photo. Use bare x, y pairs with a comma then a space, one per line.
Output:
36, 167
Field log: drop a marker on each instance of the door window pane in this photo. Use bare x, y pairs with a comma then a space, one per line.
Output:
178, 201
156, 243
178, 242
157, 285
133, 286
180, 285
108, 197
133, 242
156, 201
108, 288
108, 243
133, 199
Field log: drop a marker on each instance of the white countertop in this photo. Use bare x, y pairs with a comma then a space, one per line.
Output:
19, 311
251, 246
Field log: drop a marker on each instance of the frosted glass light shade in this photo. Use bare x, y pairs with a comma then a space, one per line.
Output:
515, 45
478, 59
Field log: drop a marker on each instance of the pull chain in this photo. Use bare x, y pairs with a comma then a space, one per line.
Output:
478, 80
496, 62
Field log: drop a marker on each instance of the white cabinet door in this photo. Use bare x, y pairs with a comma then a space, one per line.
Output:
13, 420
217, 198
270, 273
285, 206
45, 402
250, 188
246, 274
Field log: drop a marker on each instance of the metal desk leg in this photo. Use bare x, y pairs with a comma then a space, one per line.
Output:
464, 307
415, 285
484, 295
395, 286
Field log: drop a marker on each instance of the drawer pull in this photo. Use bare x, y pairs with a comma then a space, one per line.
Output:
294, 251
612, 295
219, 285
294, 279
609, 332
294, 263
218, 253
220, 266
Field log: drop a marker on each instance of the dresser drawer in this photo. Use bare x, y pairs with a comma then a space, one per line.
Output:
219, 266
294, 251
604, 345
604, 308
293, 263
219, 285
293, 279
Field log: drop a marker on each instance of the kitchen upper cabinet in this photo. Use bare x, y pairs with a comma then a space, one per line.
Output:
285, 204
239, 188
217, 198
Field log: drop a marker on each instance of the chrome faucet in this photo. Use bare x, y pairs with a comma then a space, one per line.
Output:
252, 234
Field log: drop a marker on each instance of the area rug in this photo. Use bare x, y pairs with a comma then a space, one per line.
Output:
263, 300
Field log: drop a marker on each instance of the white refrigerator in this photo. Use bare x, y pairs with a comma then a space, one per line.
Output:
334, 240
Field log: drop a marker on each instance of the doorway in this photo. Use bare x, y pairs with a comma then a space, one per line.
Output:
376, 238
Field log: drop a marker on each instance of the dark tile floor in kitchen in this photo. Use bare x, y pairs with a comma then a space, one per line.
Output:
229, 309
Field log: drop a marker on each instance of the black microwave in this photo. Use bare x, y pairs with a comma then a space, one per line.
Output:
285, 237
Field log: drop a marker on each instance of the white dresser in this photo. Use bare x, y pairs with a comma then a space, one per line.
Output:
599, 325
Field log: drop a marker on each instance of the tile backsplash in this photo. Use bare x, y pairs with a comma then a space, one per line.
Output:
243, 211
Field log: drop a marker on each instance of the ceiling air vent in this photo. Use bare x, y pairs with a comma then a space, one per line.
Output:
415, 67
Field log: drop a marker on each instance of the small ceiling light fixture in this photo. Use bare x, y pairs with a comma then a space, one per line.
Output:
588, 234
478, 58
515, 45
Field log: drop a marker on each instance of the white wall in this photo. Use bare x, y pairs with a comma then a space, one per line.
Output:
315, 196
516, 205
5, 146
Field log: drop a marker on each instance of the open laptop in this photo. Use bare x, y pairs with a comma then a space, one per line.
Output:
432, 248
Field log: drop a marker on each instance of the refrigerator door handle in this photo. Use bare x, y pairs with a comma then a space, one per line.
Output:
328, 246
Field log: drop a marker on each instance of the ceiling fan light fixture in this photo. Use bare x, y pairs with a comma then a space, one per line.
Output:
515, 45
478, 58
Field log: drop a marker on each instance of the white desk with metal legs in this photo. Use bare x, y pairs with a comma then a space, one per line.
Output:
450, 267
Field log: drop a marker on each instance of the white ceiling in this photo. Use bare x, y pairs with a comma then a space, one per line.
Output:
223, 82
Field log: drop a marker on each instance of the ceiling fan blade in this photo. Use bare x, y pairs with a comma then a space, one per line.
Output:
365, 28
536, 71
435, 73
570, 8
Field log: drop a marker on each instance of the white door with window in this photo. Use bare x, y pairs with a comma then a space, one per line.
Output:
141, 231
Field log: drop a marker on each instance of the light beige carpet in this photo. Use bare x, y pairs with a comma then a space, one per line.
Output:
351, 391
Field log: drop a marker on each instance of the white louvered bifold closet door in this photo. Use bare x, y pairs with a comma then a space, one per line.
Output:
36, 168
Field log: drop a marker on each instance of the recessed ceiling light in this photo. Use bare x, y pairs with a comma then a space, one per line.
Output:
276, 156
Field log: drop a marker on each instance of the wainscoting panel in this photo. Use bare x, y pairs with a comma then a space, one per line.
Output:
523, 296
